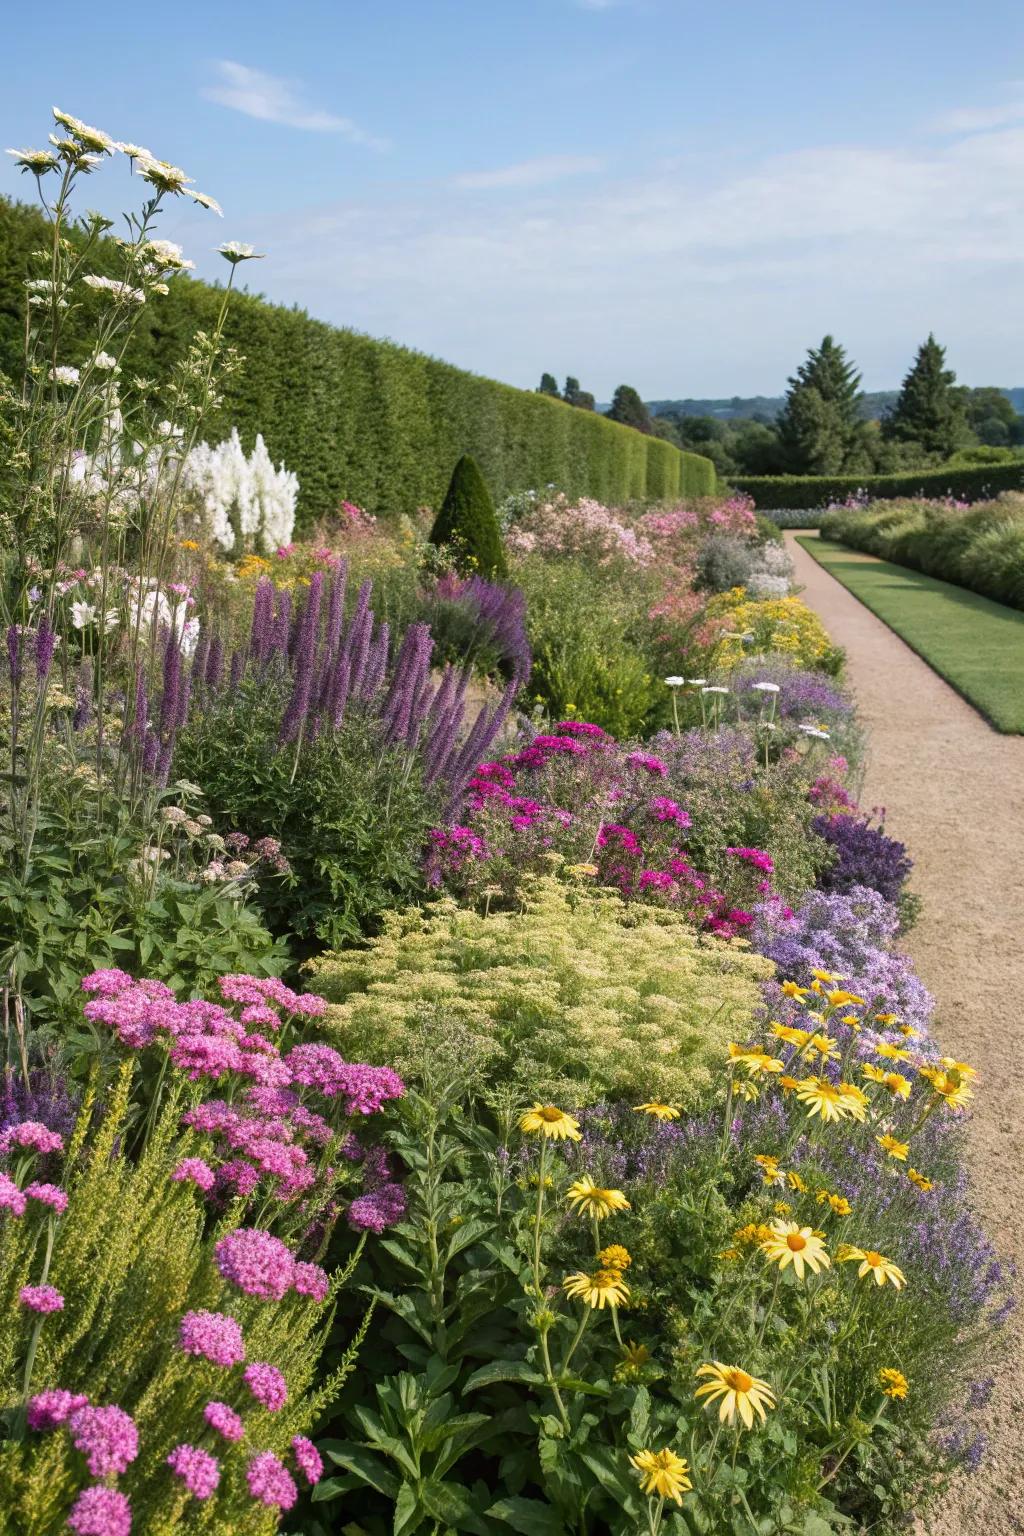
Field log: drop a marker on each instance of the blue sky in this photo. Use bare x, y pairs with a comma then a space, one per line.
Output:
679, 196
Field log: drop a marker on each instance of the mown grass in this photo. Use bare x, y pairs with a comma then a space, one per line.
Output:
975, 644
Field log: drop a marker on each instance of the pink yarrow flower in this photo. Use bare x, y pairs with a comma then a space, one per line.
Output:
198, 1470
107, 1438
270, 1482
41, 1298
310, 1280
257, 1262
51, 1409
307, 1459
100, 1511
193, 1170
31, 1133
266, 1384
48, 1194
11, 1197
224, 1420
213, 1336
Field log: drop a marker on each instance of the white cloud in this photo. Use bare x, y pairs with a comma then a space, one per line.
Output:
274, 99
690, 277
982, 119
540, 172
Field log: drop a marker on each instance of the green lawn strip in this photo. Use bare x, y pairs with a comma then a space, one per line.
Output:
975, 644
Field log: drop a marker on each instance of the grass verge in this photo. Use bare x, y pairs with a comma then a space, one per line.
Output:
975, 644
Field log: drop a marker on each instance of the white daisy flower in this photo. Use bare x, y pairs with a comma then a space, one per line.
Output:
82, 614
38, 161
204, 201
104, 360
64, 375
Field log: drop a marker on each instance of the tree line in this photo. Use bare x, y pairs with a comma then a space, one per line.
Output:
823, 427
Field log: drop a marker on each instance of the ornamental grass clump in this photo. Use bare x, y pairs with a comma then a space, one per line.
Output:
165, 1306
573, 993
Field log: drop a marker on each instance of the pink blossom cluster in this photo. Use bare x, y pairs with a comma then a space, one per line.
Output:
41, 1298
256, 1262
107, 1438
100, 1511
31, 1135
266, 1384
197, 1469
582, 529
224, 1420
213, 1336
270, 1482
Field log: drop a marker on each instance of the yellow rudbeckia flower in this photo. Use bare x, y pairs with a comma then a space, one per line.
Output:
740, 1392
663, 1474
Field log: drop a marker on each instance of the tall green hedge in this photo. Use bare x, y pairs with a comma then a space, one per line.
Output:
975, 482
366, 420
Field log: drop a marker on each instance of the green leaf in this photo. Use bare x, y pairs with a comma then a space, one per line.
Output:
504, 1370
364, 1465
530, 1516
408, 1512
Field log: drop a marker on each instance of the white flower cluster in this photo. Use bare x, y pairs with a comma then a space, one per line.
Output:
773, 573
242, 498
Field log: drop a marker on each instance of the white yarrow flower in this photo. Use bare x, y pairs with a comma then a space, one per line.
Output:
766, 687
104, 360
64, 375
236, 251
715, 688
674, 682
815, 731
696, 682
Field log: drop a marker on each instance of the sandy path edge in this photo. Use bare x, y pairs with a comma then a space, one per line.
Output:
953, 789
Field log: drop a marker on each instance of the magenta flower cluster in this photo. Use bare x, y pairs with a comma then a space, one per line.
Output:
197, 1469
41, 1298
212, 1336
580, 793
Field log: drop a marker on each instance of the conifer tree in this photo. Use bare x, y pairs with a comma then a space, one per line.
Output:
930, 408
467, 525
820, 426
628, 408
548, 385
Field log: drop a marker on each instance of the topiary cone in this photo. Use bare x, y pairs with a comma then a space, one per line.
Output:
467, 524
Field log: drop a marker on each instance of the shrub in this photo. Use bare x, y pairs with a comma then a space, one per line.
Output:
477, 624
467, 526
574, 994
778, 493
723, 561
864, 856
364, 419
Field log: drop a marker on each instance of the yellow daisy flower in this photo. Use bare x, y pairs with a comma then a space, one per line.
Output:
838, 1204
792, 1244
740, 1392
885, 1019
919, 1179
891, 1052
769, 1166
754, 1233
831, 976
790, 1034
908, 1031
948, 1086
959, 1067
753, 1058
790, 989
604, 1288
855, 1099
746, 1090
795, 1182
898, 1085
553, 1124
896, 1149
663, 1474
615, 1257
659, 1110
893, 1383
872, 1073
823, 1098
872, 1263
788, 1084
852, 1020
823, 1044
589, 1200
841, 999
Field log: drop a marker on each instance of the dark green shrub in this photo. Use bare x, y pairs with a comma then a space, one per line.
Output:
809, 493
467, 526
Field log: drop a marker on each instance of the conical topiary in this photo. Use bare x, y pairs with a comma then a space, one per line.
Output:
467, 525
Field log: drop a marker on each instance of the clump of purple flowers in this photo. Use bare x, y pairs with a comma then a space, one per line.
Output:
865, 855
478, 623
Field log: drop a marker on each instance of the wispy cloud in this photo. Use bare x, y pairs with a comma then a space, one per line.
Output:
595, 5
540, 172
983, 119
274, 99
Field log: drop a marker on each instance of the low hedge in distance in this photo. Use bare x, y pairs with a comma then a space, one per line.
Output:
360, 419
808, 494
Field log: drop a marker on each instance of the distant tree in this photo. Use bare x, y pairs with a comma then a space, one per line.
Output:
628, 408
929, 409
548, 385
992, 417
467, 525
582, 399
820, 427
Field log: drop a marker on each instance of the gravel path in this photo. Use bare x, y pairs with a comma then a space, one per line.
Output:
953, 790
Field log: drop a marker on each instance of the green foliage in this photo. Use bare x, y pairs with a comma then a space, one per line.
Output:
130, 1256
628, 408
361, 419
83, 902
929, 410
820, 426
351, 817
576, 994
812, 493
548, 385
467, 526
588, 646
981, 548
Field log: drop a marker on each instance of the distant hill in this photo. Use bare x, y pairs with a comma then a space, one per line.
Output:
769, 406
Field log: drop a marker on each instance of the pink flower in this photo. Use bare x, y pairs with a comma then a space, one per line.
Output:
647, 762
311, 1280
107, 1438
270, 1481
41, 1298
213, 1336
256, 1262
100, 1511
48, 1194
31, 1133
107, 983
50, 1409
11, 1197
307, 1459
224, 1420
198, 1470
266, 1384
195, 1171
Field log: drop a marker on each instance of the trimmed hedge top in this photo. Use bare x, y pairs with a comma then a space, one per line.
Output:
367, 420
975, 482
